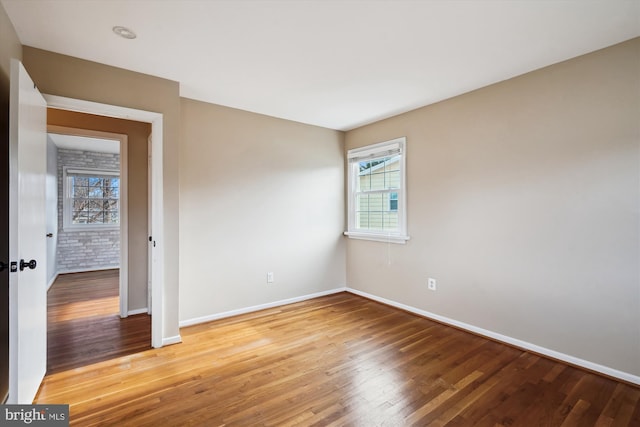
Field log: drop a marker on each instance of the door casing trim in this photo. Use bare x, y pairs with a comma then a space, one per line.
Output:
157, 210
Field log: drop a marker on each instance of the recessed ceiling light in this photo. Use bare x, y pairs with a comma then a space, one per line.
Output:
124, 32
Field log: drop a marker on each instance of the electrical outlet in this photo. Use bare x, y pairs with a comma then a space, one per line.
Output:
270, 277
431, 283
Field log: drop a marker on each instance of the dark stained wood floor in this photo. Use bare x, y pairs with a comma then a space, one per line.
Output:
339, 360
84, 325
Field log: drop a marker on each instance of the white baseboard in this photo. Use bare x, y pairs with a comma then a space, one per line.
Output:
137, 311
87, 269
625, 376
209, 318
171, 340
55, 276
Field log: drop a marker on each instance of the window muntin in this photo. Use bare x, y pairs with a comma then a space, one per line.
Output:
377, 192
92, 199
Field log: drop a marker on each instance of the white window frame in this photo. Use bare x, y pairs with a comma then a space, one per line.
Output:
383, 149
66, 202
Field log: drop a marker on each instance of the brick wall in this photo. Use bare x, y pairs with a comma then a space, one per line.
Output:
80, 250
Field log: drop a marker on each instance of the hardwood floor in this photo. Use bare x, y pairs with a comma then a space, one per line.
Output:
339, 360
84, 326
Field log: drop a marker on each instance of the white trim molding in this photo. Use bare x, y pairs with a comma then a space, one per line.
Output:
144, 310
231, 313
376, 237
393, 151
157, 186
86, 270
176, 339
52, 281
524, 345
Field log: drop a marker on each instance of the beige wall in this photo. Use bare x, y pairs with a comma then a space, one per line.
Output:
9, 48
257, 194
138, 134
523, 202
75, 78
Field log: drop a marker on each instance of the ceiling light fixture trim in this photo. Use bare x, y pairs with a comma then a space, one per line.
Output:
124, 32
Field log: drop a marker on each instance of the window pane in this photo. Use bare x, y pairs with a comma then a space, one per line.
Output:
375, 220
393, 180
95, 192
80, 192
79, 204
362, 220
390, 221
80, 181
365, 167
95, 199
111, 217
95, 205
377, 211
380, 174
110, 182
376, 202
96, 216
364, 179
112, 206
80, 218
392, 164
112, 192
362, 202
95, 181
378, 180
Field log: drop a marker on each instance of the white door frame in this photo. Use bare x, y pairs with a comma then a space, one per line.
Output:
124, 202
149, 223
157, 209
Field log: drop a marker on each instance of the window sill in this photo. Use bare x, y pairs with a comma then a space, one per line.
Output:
377, 237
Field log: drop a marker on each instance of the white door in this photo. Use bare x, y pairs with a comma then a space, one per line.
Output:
27, 238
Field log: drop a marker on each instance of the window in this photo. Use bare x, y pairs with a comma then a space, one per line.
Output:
92, 199
377, 196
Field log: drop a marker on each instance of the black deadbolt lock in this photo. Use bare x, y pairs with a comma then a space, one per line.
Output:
31, 264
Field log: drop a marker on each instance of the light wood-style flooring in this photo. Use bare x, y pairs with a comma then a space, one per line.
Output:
339, 360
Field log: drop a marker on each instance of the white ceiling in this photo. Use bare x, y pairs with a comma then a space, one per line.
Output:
83, 143
337, 64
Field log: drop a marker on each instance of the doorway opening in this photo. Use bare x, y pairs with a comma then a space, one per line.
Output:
87, 202
154, 247
88, 246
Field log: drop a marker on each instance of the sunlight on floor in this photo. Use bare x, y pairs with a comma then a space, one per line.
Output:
83, 309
